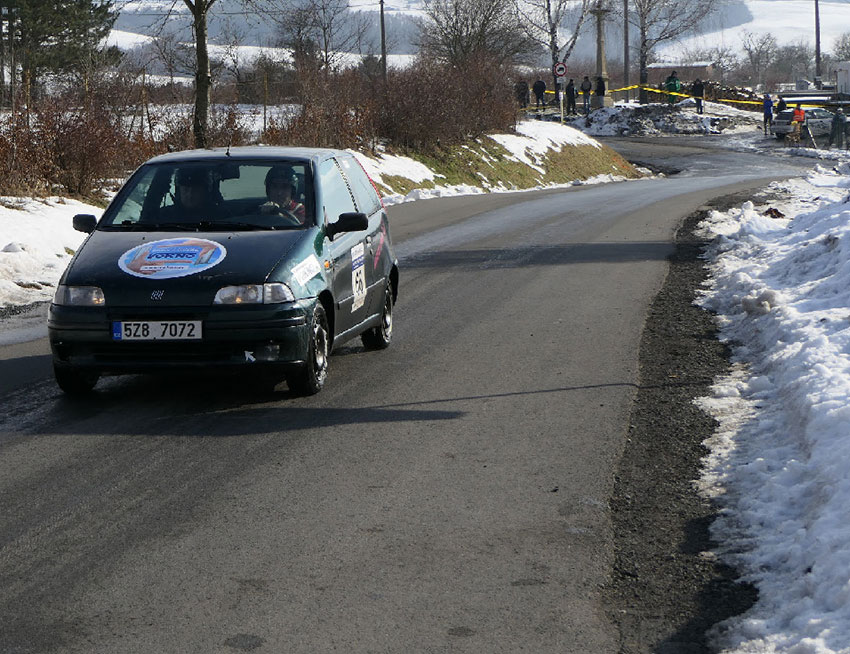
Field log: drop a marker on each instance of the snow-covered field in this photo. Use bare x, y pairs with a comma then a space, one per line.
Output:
790, 21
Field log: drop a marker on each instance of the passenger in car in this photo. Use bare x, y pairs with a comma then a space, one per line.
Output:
281, 184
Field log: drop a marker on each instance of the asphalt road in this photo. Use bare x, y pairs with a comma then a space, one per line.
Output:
449, 494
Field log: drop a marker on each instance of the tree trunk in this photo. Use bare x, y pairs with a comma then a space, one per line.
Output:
203, 79
553, 48
643, 63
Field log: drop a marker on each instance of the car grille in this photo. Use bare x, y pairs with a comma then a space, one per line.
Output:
165, 352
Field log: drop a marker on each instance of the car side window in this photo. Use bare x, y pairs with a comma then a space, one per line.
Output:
365, 195
131, 208
335, 192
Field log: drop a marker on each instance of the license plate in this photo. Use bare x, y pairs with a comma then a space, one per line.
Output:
156, 330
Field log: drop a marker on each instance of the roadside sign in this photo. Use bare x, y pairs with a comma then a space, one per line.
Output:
560, 69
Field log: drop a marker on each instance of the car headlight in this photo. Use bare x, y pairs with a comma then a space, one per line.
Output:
79, 296
254, 294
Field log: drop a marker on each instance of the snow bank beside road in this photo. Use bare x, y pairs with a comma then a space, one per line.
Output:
533, 142
37, 241
632, 119
779, 462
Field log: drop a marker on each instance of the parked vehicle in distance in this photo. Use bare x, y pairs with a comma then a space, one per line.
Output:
258, 258
818, 122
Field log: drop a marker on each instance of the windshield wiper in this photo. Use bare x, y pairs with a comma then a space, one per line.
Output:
218, 226
200, 226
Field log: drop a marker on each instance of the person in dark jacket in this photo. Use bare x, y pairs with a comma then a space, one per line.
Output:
570, 94
838, 129
521, 93
586, 87
600, 86
539, 88
781, 105
767, 107
698, 91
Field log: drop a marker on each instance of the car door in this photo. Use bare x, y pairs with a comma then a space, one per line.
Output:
347, 249
824, 122
376, 245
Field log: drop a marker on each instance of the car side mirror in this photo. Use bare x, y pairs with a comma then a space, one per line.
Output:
85, 222
348, 222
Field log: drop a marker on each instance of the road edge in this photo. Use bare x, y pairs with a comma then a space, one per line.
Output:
667, 589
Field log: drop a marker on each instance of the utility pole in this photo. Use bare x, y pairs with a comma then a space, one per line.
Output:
817, 40
383, 47
626, 45
3, 10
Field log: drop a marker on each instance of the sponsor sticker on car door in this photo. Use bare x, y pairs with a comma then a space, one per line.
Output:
358, 276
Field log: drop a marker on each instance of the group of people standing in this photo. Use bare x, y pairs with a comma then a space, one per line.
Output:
571, 93
837, 128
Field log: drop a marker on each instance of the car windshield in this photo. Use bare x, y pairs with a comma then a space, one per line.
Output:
215, 196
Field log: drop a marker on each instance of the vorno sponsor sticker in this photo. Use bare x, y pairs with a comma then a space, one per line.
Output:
172, 257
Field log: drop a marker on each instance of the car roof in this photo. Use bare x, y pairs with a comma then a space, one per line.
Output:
248, 152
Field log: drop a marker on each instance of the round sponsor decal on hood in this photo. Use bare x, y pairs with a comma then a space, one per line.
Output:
172, 257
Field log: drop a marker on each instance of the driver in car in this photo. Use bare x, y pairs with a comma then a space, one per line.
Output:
194, 199
281, 183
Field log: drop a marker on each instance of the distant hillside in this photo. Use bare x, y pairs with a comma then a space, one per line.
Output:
790, 21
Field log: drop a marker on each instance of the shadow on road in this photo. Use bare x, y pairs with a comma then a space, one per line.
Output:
543, 255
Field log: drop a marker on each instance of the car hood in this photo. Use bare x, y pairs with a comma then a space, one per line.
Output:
176, 269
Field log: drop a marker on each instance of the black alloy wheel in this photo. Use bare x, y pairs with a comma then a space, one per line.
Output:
380, 337
310, 379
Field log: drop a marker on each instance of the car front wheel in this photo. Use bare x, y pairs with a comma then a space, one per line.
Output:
379, 338
310, 379
75, 382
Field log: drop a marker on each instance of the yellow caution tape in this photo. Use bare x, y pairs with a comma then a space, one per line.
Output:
686, 95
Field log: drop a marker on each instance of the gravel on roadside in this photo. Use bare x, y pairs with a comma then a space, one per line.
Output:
667, 589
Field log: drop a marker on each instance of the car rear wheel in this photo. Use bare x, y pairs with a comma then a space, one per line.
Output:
379, 338
75, 382
310, 379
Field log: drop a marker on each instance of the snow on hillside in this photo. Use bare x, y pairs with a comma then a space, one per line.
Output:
790, 21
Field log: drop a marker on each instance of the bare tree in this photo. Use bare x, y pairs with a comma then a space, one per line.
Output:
790, 62
544, 21
324, 27
457, 31
841, 49
722, 57
664, 20
760, 52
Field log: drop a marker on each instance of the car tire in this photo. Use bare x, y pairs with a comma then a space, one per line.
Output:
310, 379
75, 382
780, 137
380, 337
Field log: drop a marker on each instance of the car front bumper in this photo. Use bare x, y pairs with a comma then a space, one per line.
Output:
262, 336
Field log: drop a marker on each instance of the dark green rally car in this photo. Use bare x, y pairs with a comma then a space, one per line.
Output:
256, 258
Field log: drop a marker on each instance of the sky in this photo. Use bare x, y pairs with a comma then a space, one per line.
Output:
777, 464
